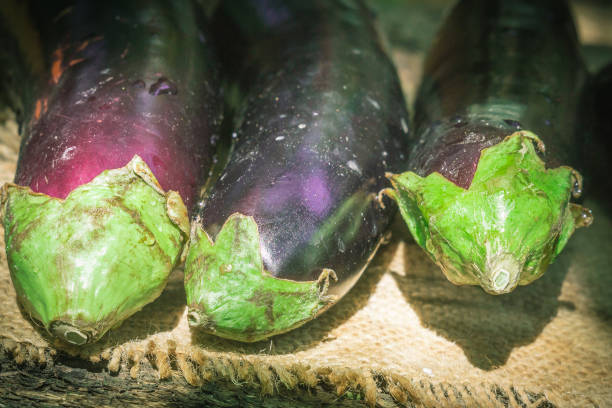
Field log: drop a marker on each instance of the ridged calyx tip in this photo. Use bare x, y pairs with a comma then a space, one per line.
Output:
96, 257
231, 295
506, 228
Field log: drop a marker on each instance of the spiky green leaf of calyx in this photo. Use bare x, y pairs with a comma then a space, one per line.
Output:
504, 230
231, 295
82, 265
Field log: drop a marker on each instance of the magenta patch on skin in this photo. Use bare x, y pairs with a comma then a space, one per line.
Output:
78, 139
58, 170
275, 197
315, 193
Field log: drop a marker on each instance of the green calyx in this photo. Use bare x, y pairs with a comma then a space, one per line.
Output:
82, 265
229, 293
504, 230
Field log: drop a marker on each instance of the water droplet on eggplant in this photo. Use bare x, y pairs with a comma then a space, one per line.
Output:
404, 125
163, 86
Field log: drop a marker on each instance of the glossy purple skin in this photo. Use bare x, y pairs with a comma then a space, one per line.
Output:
323, 122
497, 66
595, 131
458, 150
123, 80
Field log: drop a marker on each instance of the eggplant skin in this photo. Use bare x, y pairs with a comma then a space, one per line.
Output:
322, 121
517, 67
594, 127
116, 85
119, 106
501, 82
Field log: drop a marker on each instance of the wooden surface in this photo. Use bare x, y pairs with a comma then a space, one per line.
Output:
71, 382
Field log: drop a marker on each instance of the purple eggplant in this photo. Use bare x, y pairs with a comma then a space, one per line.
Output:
294, 218
120, 107
595, 129
485, 197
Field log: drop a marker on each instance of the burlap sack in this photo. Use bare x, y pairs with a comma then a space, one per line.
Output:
404, 330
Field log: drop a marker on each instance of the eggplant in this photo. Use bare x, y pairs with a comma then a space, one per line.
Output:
294, 219
486, 198
119, 108
595, 128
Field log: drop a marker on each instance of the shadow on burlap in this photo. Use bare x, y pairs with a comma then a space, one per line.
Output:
403, 330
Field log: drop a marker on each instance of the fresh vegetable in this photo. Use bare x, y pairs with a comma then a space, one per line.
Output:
119, 111
484, 196
294, 217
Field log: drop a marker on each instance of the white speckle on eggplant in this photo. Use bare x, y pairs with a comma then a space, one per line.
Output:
352, 164
404, 125
374, 103
68, 153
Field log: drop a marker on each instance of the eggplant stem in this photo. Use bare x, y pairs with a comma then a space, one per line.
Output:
326, 274
583, 217
577, 187
69, 333
389, 192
